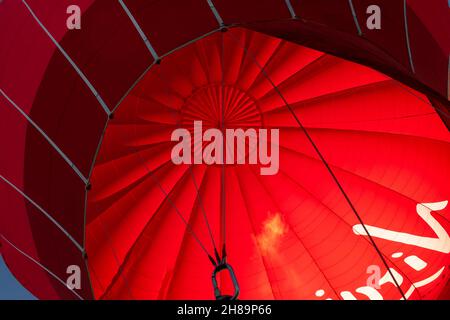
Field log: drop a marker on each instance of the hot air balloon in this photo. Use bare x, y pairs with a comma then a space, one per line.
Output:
226, 149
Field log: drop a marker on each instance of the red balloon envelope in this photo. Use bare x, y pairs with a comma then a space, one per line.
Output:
313, 177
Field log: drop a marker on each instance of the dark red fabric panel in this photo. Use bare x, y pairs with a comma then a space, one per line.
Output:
12, 138
431, 63
40, 172
107, 48
392, 36
171, 23
54, 185
334, 14
69, 113
54, 17
24, 54
32, 67
434, 15
241, 12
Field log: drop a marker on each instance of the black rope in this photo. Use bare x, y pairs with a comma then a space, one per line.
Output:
223, 191
202, 207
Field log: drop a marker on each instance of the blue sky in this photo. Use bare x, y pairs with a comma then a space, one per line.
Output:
10, 288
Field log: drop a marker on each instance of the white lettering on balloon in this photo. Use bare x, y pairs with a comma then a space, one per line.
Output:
440, 243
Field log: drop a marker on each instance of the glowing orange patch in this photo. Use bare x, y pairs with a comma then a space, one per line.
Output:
272, 231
